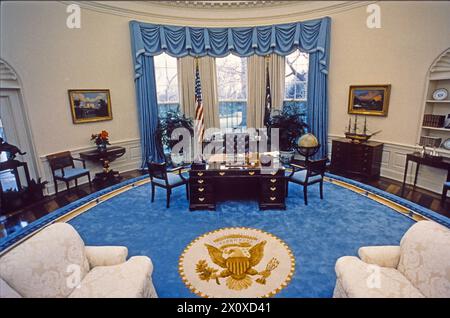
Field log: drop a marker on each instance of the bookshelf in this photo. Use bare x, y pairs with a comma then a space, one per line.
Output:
436, 113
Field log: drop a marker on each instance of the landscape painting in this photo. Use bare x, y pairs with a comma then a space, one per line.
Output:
89, 105
369, 100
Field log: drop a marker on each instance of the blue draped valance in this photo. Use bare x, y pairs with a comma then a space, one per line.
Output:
148, 40
283, 39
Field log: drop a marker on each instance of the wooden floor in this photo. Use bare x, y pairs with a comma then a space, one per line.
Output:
19, 219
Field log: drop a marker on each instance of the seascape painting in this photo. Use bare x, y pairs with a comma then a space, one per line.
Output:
369, 100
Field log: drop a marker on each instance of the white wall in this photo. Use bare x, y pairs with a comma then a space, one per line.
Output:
50, 59
411, 37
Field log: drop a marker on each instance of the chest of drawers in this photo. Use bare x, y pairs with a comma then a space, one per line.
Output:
363, 159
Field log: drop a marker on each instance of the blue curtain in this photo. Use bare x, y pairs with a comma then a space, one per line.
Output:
147, 105
312, 37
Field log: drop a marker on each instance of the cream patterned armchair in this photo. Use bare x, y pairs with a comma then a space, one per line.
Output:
56, 263
419, 267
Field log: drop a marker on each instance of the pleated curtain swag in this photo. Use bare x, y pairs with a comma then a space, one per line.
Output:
148, 40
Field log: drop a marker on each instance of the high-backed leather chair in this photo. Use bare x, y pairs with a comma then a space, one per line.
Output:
63, 169
237, 143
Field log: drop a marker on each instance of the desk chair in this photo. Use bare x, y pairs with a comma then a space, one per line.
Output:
313, 173
160, 176
63, 169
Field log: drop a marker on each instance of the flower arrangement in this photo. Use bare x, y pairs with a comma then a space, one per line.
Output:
101, 139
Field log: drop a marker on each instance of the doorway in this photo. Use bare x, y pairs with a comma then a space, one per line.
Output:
14, 128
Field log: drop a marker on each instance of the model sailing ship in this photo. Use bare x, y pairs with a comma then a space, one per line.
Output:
353, 133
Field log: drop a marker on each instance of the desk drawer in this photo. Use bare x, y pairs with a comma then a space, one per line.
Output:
272, 188
200, 173
200, 189
272, 181
199, 181
197, 198
272, 198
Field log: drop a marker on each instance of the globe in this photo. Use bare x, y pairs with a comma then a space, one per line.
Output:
307, 145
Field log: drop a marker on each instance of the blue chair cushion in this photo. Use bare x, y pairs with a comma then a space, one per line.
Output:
70, 172
447, 184
300, 176
173, 179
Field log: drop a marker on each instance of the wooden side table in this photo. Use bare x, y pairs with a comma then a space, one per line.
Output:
419, 159
107, 176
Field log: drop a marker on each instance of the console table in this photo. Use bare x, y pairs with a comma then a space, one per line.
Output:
363, 159
107, 176
211, 183
419, 159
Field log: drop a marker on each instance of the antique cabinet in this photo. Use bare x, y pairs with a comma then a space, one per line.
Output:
361, 159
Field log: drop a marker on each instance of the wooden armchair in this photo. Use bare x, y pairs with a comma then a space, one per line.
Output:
313, 173
63, 169
160, 176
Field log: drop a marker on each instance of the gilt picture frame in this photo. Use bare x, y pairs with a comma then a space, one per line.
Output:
370, 100
90, 105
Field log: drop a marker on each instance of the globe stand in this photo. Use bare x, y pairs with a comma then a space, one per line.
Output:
307, 145
308, 151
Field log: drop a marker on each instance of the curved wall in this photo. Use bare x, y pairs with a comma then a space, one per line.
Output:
50, 59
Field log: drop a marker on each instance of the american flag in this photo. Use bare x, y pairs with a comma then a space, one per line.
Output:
199, 118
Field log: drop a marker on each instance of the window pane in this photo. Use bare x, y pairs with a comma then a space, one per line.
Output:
296, 80
232, 91
166, 83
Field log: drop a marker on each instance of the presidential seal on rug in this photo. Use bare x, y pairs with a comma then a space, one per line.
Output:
236, 262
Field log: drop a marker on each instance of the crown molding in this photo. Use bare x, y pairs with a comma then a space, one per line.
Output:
161, 13
222, 4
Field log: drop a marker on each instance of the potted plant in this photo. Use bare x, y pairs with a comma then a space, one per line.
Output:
291, 126
101, 140
171, 120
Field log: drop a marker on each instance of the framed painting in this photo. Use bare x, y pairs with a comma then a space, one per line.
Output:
369, 99
89, 105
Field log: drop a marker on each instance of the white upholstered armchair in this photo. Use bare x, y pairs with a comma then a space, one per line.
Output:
56, 263
419, 267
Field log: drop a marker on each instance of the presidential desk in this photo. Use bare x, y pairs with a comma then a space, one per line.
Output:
218, 182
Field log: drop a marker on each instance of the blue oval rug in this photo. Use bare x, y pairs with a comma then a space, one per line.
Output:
317, 234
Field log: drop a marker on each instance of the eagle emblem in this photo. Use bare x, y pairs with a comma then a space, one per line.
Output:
238, 262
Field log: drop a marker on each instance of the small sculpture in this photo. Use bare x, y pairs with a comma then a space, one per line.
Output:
10, 149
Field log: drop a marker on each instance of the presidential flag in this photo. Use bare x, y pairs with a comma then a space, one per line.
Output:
268, 104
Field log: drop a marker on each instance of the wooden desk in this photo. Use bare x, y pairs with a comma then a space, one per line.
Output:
427, 161
209, 185
108, 176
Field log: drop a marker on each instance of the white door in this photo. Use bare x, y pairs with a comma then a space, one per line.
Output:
15, 130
